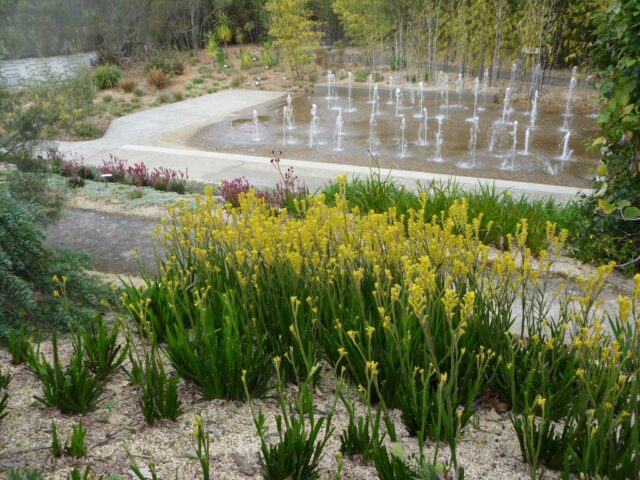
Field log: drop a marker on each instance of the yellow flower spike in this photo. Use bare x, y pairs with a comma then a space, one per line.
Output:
541, 402
622, 379
608, 406
56, 293
277, 360
531, 418
625, 307
372, 367
443, 377
342, 352
352, 335
580, 373
370, 330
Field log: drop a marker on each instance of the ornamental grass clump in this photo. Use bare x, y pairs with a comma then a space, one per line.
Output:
414, 309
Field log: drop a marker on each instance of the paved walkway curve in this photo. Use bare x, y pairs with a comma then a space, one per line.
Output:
158, 137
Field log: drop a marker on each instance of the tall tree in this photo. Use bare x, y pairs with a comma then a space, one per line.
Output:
293, 31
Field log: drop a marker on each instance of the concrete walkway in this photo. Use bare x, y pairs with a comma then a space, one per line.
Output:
158, 137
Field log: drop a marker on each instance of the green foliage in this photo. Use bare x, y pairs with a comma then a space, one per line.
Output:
21, 253
135, 468
246, 59
56, 445
5, 378
611, 230
501, 212
223, 27
77, 475
202, 447
301, 438
73, 389
159, 396
221, 58
293, 32
361, 75
170, 63
107, 76
76, 447
357, 439
87, 130
268, 56
25, 473
213, 347
39, 190
44, 106
100, 348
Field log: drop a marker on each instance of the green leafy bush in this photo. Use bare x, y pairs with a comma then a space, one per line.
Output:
159, 396
73, 389
169, 63
268, 56
25, 473
246, 59
18, 343
107, 76
100, 348
610, 229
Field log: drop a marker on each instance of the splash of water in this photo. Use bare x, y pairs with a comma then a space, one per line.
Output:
534, 110
567, 112
439, 140
313, 124
398, 101
506, 108
564, 145
403, 141
514, 135
338, 132
372, 133
423, 130
473, 140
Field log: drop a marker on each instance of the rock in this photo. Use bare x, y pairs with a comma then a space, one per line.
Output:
245, 466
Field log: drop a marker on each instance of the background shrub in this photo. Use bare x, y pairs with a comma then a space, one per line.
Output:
127, 85
107, 76
158, 78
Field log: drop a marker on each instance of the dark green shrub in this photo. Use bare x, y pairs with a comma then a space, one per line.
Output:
19, 343
76, 448
56, 448
169, 63
87, 130
361, 75
268, 56
159, 392
107, 76
73, 389
5, 378
4, 401
100, 348
25, 473
610, 229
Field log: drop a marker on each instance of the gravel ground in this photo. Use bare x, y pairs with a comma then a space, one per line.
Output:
488, 447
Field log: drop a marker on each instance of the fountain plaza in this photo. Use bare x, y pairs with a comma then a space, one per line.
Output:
455, 126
